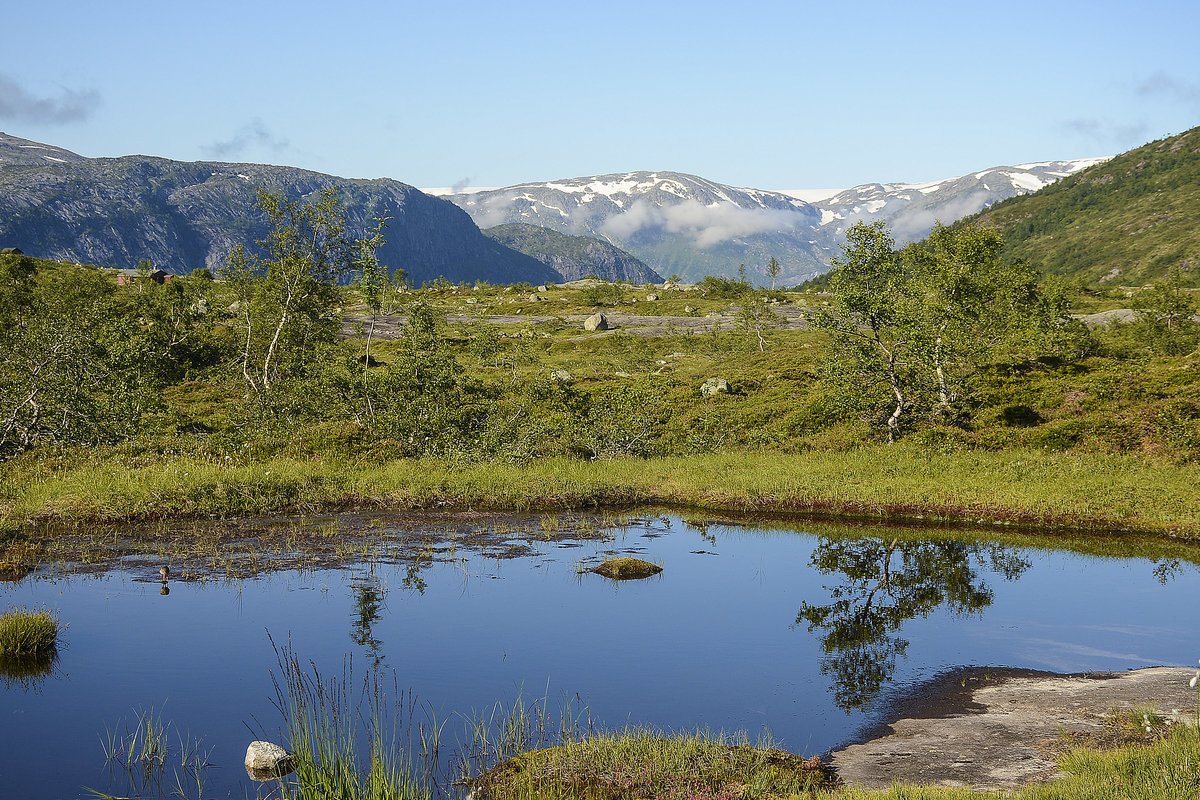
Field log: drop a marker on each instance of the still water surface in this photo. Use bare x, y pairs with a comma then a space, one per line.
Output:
805, 635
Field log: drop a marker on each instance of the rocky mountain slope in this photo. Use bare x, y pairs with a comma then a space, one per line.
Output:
1128, 220
113, 212
911, 209
573, 257
691, 226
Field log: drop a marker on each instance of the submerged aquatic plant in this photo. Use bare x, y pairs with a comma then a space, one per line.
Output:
141, 751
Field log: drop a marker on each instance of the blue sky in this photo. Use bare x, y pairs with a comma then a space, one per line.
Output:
773, 95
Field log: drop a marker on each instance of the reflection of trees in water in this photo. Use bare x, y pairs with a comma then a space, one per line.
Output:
369, 596
885, 584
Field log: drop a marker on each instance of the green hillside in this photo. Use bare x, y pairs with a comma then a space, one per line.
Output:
1138, 213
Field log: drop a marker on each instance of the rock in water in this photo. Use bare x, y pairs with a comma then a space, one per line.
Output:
267, 760
596, 322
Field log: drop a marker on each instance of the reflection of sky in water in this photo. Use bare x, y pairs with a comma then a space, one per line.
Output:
712, 642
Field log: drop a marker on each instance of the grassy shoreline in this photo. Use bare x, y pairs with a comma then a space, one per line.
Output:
1090, 492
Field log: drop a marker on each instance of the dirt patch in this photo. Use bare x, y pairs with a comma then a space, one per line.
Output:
992, 729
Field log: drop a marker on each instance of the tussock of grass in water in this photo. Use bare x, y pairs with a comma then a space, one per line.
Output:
625, 569
28, 633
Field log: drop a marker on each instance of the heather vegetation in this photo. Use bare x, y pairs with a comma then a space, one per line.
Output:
1132, 219
308, 361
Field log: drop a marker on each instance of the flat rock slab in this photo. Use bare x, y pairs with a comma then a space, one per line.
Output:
988, 729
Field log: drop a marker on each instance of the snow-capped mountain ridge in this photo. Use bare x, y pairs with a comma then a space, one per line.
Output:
693, 226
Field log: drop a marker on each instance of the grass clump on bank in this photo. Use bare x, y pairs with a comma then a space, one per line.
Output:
1085, 491
626, 569
25, 633
642, 763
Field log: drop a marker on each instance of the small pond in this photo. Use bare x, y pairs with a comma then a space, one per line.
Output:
808, 632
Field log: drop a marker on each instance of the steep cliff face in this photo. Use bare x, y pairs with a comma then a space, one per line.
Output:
573, 257
114, 212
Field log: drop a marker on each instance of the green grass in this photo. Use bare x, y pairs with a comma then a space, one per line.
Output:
1087, 491
24, 632
643, 763
323, 723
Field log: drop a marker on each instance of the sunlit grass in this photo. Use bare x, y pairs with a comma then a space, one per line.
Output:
334, 757
24, 632
1084, 491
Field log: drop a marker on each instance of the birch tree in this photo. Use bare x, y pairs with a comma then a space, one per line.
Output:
287, 294
870, 319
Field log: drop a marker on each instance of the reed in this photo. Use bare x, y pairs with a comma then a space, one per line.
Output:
345, 746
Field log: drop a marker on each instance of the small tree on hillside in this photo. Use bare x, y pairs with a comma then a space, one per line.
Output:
871, 320
287, 295
1165, 313
773, 270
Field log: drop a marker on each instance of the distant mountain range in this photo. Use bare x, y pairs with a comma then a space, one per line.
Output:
181, 215
690, 226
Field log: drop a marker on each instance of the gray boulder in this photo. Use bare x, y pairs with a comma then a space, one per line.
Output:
714, 386
596, 322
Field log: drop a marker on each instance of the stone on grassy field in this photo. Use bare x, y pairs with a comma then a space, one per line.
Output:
713, 386
596, 322
562, 376
651, 297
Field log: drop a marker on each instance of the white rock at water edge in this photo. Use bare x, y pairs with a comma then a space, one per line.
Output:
268, 757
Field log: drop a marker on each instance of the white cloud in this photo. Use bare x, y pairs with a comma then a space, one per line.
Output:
704, 225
